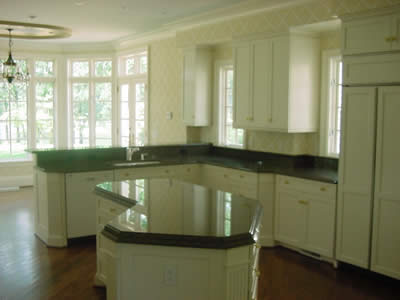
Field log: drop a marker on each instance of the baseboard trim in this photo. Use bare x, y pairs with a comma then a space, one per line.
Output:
81, 240
50, 240
267, 241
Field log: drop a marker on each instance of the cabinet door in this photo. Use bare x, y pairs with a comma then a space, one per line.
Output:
242, 90
81, 202
189, 70
396, 32
386, 229
262, 83
367, 36
320, 225
290, 218
356, 169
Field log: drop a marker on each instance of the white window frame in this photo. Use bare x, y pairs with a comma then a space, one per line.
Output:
219, 95
91, 79
131, 80
329, 90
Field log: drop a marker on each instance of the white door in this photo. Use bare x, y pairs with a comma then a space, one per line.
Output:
367, 36
290, 218
133, 112
262, 83
386, 229
356, 169
81, 202
242, 98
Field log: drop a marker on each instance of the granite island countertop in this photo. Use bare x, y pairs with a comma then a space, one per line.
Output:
178, 213
307, 167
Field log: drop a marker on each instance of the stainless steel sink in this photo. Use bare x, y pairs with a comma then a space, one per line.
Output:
137, 163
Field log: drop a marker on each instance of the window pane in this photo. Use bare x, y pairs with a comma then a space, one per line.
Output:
80, 91
44, 91
143, 64
18, 92
81, 130
130, 66
103, 110
229, 98
124, 92
19, 131
140, 92
124, 110
18, 111
18, 149
103, 142
44, 110
103, 91
79, 142
44, 68
80, 69
103, 129
229, 115
139, 133
4, 130
230, 135
81, 110
140, 111
125, 128
124, 141
240, 136
44, 129
229, 79
103, 68
5, 150
44, 143
3, 91
4, 110
139, 197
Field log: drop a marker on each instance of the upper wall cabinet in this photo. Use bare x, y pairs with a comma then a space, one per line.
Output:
197, 68
371, 34
276, 83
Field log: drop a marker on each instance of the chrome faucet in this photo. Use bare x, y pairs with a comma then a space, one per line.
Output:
130, 151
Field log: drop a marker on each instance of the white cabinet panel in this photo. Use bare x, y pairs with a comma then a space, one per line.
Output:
81, 203
242, 92
386, 229
356, 176
366, 36
197, 86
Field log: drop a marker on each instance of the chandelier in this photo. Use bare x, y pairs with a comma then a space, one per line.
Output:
10, 70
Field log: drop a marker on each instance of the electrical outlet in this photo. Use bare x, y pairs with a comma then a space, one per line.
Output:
170, 274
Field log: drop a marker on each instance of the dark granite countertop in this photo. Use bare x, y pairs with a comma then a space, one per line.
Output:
307, 167
170, 212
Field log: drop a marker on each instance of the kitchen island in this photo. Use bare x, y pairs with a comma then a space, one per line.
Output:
163, 238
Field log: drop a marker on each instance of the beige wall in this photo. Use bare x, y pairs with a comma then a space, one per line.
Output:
220, 34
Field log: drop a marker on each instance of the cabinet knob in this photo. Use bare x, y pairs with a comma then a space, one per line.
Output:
225, 176
286, 182
323, 189
257, 272
388, 39
126, 174
113, 210
166, 171
303, 202
241, 176
394, 38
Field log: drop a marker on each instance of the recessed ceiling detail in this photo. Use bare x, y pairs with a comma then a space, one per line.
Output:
33, 31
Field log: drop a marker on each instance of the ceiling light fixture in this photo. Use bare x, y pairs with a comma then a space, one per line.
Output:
10, 71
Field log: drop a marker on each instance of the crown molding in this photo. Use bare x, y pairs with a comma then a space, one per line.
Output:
371, 13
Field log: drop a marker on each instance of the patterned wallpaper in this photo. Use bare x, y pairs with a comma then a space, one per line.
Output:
166, 69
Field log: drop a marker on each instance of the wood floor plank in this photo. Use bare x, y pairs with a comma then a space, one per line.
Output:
31, 271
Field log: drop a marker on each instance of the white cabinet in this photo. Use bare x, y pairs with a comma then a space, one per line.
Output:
145, 172
355, 189
80, 201
369, 193
197, 68
371, 35
276, 83
386, 217
305, 214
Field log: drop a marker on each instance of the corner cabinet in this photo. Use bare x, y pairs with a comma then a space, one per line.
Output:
197, 66
276, 83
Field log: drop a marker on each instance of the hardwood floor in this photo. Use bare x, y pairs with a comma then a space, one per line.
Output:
29, 270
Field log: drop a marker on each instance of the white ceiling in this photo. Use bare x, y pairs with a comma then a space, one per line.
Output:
109, 20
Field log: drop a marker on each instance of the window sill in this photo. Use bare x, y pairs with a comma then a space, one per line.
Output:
16, 161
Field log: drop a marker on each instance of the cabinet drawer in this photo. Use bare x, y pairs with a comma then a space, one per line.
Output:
147, 172
321, 189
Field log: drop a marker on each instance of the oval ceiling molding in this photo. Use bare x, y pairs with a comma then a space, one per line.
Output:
33, 31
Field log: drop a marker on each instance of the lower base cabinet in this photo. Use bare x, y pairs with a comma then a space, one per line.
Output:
134, 271
305, 215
